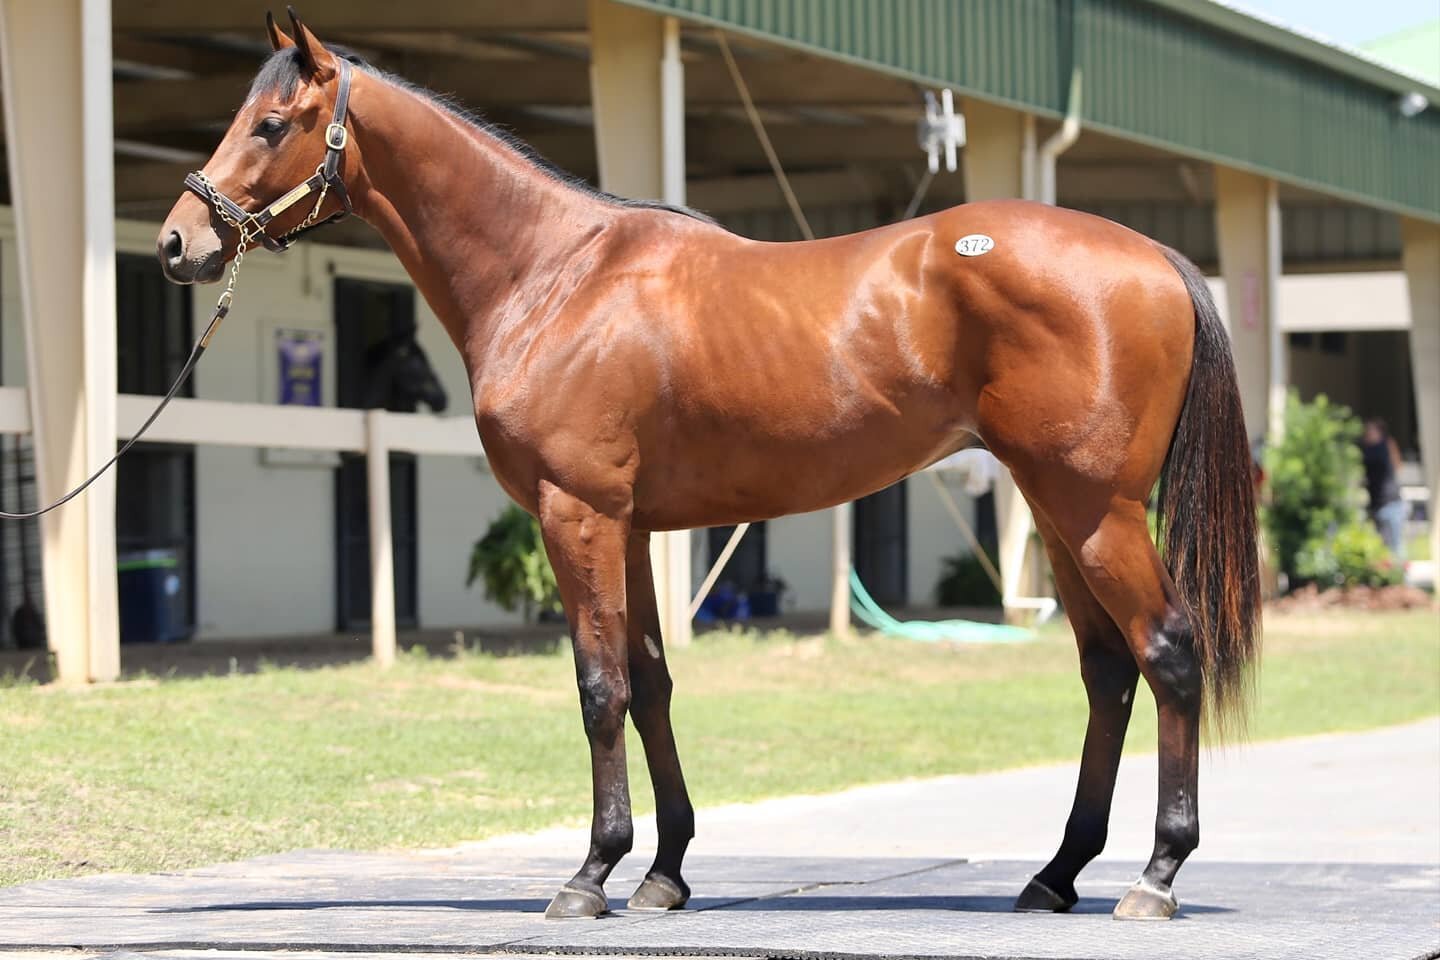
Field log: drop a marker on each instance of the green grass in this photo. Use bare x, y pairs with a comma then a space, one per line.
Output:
151, 774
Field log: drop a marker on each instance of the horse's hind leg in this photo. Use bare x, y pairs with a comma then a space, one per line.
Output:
1113, 551
663, 888
587, 550
1109, 671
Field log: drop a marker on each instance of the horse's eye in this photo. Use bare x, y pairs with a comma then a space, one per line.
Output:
269, 127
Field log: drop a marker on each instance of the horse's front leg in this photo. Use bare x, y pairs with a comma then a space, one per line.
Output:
587, 550
663, 888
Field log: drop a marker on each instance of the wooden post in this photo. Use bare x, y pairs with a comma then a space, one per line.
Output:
382, 555
1247, 224
1000, 162
840, 572
1422, 277
637, 90
57, 85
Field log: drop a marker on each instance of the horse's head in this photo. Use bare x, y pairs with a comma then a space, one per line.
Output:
416, 378
278, 140
398, 372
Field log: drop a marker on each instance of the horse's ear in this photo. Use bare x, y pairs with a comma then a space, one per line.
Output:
317, 62
278, 39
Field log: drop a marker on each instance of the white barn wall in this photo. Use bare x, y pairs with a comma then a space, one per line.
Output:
933, 535
1345, 301
798, 551
264, 534
456, 496
265, 558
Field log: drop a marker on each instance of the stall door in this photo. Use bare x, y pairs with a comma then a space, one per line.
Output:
746, 568
155, 482
881, 545
367, 313
22, 595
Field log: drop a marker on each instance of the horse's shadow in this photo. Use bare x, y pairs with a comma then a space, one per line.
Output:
779, 903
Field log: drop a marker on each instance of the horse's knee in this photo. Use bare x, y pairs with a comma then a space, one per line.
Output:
1170, 663
604, 699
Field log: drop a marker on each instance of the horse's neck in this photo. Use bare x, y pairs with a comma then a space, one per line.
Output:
471, 220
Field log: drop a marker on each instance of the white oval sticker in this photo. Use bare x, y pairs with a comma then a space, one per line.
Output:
974, 245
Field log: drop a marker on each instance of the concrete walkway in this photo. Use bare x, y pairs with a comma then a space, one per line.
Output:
1348, 798
1314, 848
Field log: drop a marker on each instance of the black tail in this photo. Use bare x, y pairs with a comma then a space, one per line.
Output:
1207, 518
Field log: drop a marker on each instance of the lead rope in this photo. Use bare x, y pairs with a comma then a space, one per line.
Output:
222, 307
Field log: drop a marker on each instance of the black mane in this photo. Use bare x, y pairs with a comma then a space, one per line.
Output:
281, 73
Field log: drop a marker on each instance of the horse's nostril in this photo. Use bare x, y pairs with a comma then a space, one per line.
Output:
174, 247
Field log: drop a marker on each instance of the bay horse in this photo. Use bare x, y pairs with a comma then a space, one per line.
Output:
635, 367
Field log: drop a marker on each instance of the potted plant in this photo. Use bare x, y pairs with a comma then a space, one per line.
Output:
510, 562
964, 583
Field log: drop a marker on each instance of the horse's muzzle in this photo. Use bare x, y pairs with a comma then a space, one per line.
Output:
182, 262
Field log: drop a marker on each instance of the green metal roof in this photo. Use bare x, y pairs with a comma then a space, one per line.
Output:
1191, 76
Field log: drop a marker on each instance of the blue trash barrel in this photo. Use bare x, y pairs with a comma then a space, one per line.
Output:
149, 588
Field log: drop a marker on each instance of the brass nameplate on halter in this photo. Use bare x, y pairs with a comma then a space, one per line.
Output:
289, 200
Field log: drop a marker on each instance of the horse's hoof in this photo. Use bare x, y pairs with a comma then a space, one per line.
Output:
1038, 898
572, 903
660, 893
1146, 901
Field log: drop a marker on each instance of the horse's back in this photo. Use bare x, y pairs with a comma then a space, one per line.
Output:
849, 362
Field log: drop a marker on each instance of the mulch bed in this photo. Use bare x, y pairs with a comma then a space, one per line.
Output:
1310, 599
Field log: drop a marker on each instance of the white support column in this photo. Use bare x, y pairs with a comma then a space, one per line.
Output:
841, 524
1422, 275
59, 129
1247, 221
999, 162
382, 549
637, 90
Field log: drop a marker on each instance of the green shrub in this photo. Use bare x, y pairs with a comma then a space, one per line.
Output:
964, 583
510, 560
1313, 474
1312, 520
1361, 557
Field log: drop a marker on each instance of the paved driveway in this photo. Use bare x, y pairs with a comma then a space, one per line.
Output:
1326, 847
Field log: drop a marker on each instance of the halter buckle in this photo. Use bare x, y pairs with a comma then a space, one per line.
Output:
336, 136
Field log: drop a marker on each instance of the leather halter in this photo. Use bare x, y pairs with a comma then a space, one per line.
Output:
325, 179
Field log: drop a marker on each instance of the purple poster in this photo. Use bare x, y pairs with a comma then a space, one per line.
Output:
299, 353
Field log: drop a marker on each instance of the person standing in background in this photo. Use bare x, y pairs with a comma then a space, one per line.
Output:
1381, 456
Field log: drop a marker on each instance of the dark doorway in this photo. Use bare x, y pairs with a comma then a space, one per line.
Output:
155, 482
881, 545
369, 315
746, 569
22, 590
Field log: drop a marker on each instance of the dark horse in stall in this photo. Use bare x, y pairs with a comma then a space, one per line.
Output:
398, 375
636, 367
